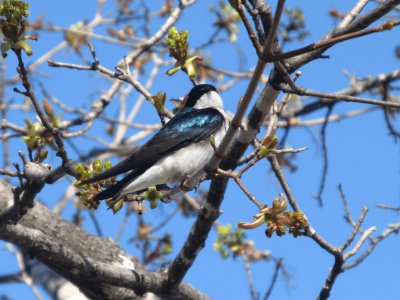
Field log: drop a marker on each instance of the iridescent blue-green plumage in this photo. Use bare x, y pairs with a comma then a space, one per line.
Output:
187, 127
190, 126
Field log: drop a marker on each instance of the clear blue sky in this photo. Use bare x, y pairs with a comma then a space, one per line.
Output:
362, 157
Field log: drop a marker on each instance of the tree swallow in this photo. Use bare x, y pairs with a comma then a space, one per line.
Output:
179, 149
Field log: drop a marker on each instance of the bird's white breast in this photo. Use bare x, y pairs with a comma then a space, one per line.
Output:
174, 167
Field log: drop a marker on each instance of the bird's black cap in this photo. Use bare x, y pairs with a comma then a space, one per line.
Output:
198, 91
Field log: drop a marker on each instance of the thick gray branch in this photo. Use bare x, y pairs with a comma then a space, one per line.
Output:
98, 266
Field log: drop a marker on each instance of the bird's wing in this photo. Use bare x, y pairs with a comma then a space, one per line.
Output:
116, 188
187, 127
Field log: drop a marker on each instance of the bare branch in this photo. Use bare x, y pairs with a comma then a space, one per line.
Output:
236, 177
309, 231
352, 14
392, 228
324, 43
338, 97
325, 156
278, 266
52, 130
356, 229
360, 242
253, 37
384, 206
253, 293
58, 243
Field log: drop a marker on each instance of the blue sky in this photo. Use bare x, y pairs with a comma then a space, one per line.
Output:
362, 157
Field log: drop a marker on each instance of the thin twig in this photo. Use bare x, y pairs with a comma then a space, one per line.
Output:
10, 173
26, 277
339, 97
3, 109
356, 229
348, 216
297, 122
121, 74
256, 21
278, 266
95, 223
122, 225
236, 177
170, 21
325, 156
352, 14
31, 95
253, 294
252, 36
283, 182
393, 228
385, 206
360, 242
389, 112
164, 222
325, 43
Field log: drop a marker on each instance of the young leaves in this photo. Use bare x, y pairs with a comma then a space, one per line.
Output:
12, 26
179, 49
277, 219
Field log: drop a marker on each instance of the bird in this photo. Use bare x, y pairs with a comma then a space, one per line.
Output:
180, 148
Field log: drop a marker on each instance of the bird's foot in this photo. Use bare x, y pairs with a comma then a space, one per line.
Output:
185, 183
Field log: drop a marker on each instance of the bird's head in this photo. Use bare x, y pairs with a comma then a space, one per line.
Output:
203, 96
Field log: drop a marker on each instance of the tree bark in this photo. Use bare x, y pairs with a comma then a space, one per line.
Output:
98, 266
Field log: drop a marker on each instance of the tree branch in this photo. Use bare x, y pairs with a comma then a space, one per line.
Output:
99, 267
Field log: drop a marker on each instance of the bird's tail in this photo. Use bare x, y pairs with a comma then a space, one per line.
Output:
116, 188
119, 168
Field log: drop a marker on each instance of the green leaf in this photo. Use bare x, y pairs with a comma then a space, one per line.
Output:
107, 165
189, 65
223, 231
48, 109
159, 102
23, 45
43, 155
173, 70
167, 242
32, 137
79, 168
268, 146
153, 203
4, 48
152, 195
218, 246
117, 206
97, 166
177, 43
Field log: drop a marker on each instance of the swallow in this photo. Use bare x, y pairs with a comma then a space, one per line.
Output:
179, 149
